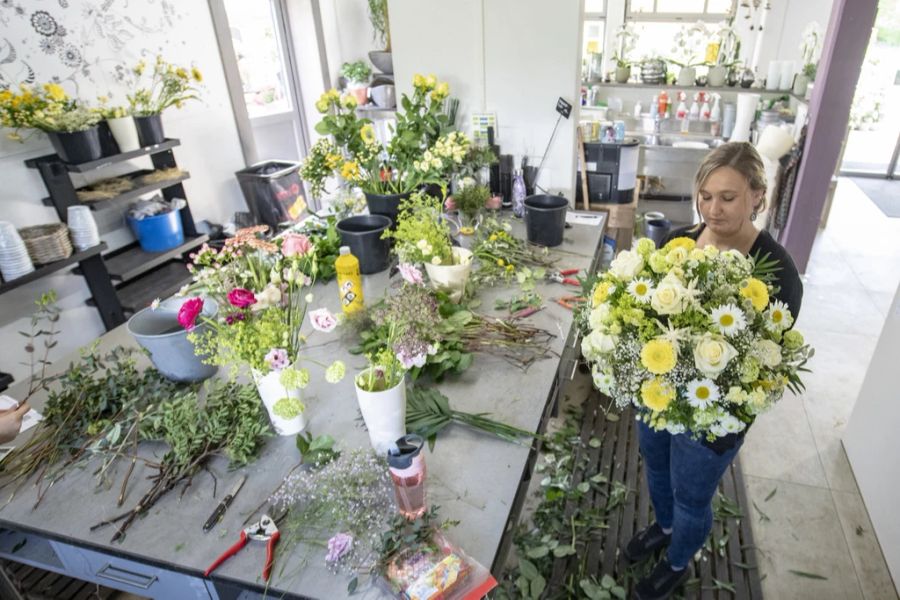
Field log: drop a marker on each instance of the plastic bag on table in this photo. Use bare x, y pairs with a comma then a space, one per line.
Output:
437, 571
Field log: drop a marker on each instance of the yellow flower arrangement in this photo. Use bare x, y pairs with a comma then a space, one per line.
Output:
659, 356
169, 85
350, 170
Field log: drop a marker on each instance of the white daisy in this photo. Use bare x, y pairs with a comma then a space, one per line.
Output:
728, 319
702, 393
778, 317
641, 289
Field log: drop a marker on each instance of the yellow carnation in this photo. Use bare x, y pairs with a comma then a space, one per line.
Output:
757, 292
601, 293
657, 394
350, 170
659, 356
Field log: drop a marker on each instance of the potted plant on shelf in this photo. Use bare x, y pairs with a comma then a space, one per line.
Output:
121, 124
263, 291
625, 44
357, 75
469, 201
423, 237
727, 51
688, 51
423, 150
70, 126
169, 85
378, 17
809, 49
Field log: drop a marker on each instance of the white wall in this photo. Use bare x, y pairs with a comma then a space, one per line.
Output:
101, 45
872, 443
513, 58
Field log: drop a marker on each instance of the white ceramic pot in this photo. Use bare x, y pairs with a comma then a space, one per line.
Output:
801, 82
717, 75
384, 414
687, 76
281, 403
622, 74
125, 132
452, 278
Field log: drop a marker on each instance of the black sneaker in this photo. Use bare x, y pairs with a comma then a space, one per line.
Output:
661, 582
647, 541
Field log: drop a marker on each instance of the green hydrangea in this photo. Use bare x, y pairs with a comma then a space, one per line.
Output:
749, 370
293, 379
658, 263
645, 246
288, 408
335, 372
793, 339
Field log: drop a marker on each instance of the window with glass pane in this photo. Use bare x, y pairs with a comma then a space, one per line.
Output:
654, 39
595, 6
259, 56
679, 6
592, 51
719, 6
641, 6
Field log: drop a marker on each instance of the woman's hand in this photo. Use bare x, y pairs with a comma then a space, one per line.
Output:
11, 422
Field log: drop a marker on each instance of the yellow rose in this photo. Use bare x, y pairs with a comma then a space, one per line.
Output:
430, 82
601, 293
657, 394
669, 297
697, 254
677, 255
757, 292
710, 251
418, 81
681, 242
712, 354
659, 356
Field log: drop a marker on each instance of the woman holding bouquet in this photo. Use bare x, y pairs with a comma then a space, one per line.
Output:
683, 473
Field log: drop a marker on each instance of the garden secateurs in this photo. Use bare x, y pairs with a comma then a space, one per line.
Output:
263, 530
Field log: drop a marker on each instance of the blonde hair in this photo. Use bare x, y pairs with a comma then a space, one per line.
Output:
740, 156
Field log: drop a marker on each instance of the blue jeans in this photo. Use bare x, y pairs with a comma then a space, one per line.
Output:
682, 476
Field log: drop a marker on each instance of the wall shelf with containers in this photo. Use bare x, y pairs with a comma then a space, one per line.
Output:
129, 278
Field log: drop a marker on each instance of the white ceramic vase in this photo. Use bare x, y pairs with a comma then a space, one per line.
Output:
281, 403
125, 132
452, 278
623, 74
801, 82
716, 76
687, 76
384, 414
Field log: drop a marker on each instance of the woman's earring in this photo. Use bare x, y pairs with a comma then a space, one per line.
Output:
753, 215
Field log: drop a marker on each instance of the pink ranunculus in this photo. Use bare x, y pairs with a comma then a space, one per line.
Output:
338, 546
493, 203
295, 244
322, 320
411, 274
277, 358
189, 311
241, 298
449, 204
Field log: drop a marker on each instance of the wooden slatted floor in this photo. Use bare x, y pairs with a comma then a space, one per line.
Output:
37, 584
726, 568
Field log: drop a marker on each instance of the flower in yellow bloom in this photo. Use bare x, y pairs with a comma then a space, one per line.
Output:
350, 170
601, 293
441, 91
332, 160
348, 101
418, 81
657, 394
509, 268
55, 91
196, 74
430, 82
757, 292
139, 68
681, 242
500, 262
181, 73
367, 133
659, 356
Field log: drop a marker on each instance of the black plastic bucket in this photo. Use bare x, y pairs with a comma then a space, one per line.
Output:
386, 204
78, 146
273, 191
657, 230
150, 130
108, 144
545, 219
363, 234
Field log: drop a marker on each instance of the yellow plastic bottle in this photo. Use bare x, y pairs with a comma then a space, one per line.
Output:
349, 282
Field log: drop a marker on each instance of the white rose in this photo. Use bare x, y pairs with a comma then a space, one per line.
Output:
270, 296
768, 352
669, 297
597, 343
598, 316
603, 381
626, 265
712, 353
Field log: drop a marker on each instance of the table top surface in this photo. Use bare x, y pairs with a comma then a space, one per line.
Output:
472, 476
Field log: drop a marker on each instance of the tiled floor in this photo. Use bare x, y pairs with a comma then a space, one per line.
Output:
816, 521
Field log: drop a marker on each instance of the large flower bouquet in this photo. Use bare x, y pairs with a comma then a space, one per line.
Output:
422, 234
265, 286
169, 85
424, 148
692, 337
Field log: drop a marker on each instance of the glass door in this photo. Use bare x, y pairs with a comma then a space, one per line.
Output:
873, 139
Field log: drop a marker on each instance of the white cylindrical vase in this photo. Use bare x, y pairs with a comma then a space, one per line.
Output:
384, 413
746, 110
285, 406
125, 132
452, 278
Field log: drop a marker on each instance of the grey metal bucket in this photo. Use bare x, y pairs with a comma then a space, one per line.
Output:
159, 332
657, 230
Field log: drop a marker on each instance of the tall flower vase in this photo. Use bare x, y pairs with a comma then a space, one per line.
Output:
285, 406
384, 414
125, 132
687, 76
452, 278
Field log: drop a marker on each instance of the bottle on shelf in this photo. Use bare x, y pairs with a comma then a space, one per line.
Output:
637, 109
349, 284
681, 111
694, 113
663, 103
518, 194
654, 107
704, 108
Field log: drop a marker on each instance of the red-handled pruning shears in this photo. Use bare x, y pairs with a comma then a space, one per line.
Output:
563, 277
263, 530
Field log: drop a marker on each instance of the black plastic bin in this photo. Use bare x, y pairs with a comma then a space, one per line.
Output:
273, 191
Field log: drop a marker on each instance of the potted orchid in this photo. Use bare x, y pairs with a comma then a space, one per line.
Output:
263, 289
626, 41
809, 49
423, 237
726, 54
689, 51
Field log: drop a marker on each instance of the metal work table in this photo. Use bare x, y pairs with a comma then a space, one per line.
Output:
475, 478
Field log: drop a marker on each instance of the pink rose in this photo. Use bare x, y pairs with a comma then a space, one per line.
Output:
241, 298
339, 545
411, 274
449, 204
295, 244
493, 203
187, 314
322, 320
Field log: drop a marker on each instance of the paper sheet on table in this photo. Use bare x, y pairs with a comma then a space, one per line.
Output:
30, 419
584, 218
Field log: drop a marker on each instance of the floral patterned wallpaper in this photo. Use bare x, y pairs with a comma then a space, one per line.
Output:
85, 45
